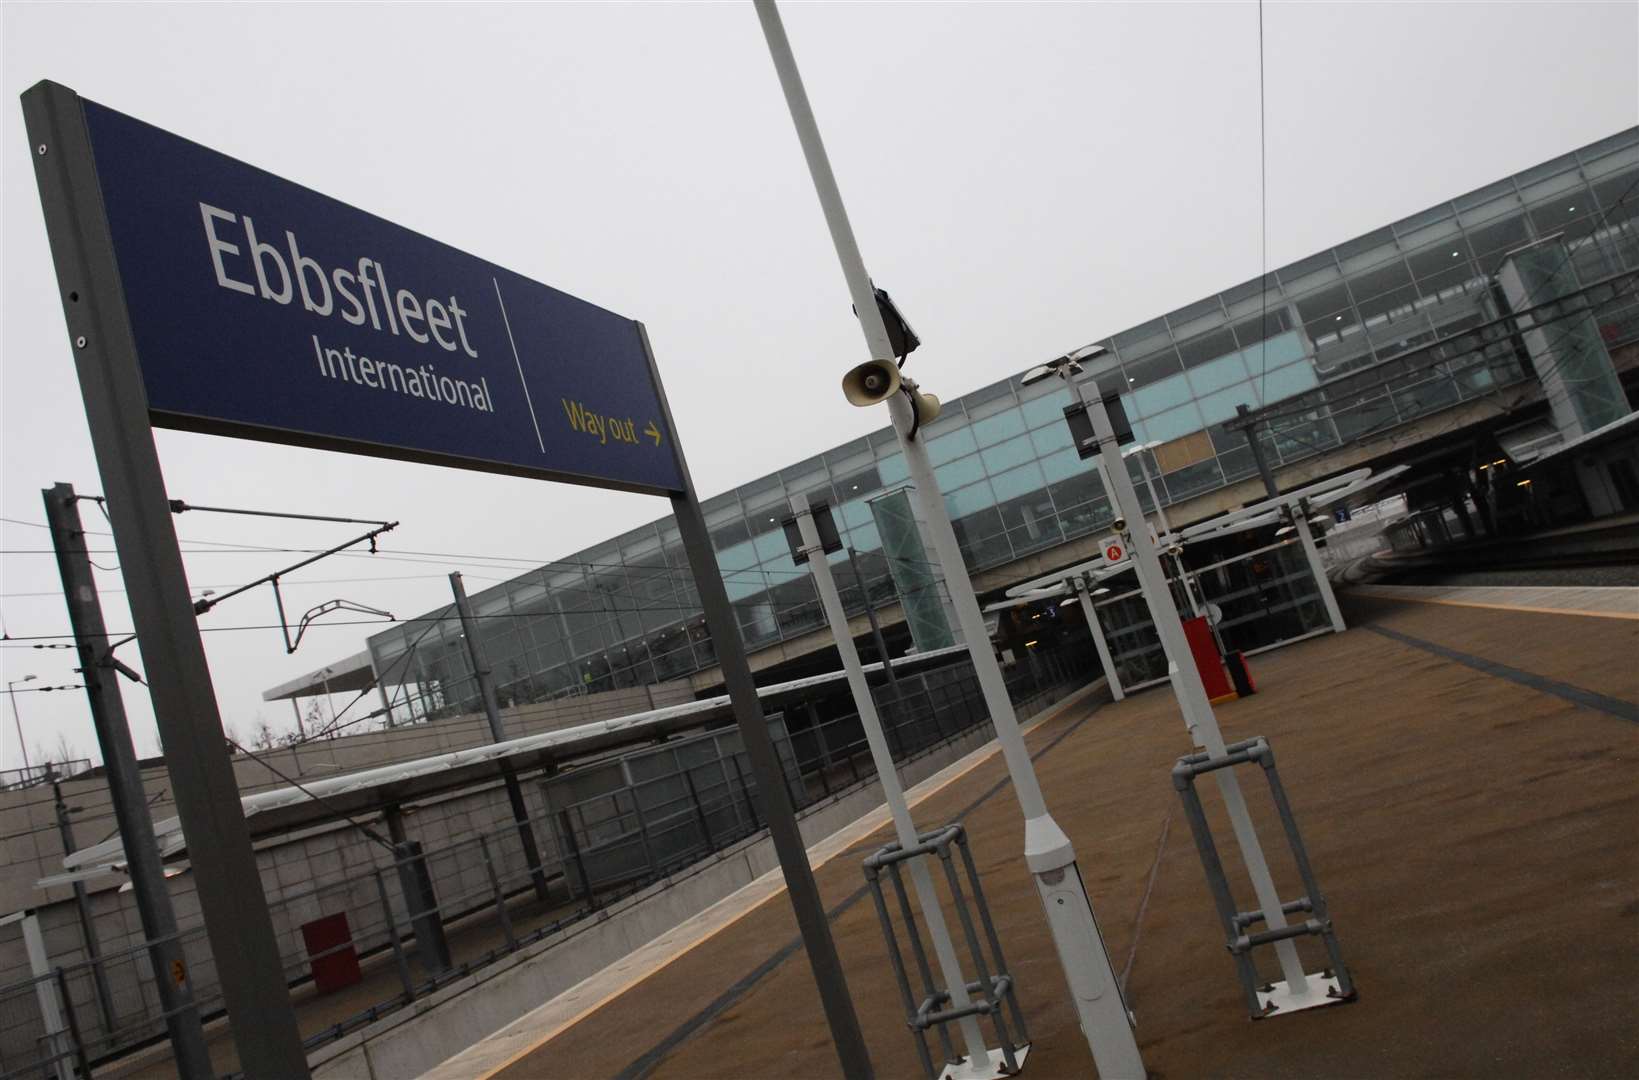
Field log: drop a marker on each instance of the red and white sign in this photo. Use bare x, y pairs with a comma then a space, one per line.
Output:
1114, 550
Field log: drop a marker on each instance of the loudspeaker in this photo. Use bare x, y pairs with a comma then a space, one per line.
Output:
871, 382
927, 406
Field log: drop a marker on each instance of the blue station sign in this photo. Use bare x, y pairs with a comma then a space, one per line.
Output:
263, 309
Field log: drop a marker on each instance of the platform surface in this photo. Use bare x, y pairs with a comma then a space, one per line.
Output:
1467, 783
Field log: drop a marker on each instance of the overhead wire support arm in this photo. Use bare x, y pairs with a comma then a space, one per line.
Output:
206, 603
180, 507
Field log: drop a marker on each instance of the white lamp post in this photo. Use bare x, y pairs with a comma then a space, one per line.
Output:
16, 718
1095, 993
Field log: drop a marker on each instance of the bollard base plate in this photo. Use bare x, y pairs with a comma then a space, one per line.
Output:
993, 1068
1278, 1001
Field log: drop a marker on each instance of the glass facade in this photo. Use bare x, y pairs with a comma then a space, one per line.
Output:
1338, 337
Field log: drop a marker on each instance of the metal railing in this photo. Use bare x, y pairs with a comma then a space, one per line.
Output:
422, 918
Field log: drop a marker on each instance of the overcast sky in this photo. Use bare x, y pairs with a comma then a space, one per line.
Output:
1023, 177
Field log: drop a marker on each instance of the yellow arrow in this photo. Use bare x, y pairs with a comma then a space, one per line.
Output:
652, 432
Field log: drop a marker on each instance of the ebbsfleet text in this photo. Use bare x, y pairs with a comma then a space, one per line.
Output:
246, 263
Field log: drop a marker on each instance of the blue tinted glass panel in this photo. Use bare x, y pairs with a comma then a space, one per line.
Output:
1289, 380
864, 537
737, 557
892, 469
994, 429
1217, 374
1009, 454
1216, 408
1174, 423
1160, 396
743, 584
1063, 465
1276, 352
1010, 485
771, 545
852, 514
957, 473
1049, 407
969, 500
954, 445
1050, 438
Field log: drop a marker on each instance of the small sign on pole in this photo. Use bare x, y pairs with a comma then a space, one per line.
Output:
1112, 548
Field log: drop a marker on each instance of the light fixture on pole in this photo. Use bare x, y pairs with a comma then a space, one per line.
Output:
1095, 992
16, 717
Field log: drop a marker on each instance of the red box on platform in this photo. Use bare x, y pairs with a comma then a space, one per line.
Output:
1207, 661
335, 969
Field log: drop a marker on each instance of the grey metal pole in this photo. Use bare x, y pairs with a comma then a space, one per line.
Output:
1105, 1021
1084, 592
1306, 536
119, 757
82, 908
17, 721
778, 814
492, 711
1250, 430
876, 627
243, 944
1186, 680
893, 793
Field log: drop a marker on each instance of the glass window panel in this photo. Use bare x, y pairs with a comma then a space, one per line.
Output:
1013, 452
970, 500
1289, 380
1012, 484
772, 545
858, 485
1310, 273
1170, 425
1444, 264
994, 429
956, 473
1222, 372
737, 557
1572, 213
1194, 479
864, 537
1159, 397
1618, 196
1237, 464
853, 513
1207, 347
1277, 319
1063, 465
1049, 408
950, 446
1153, 368
1495, 239
1134, 343
1051, 438
1220, 405
1373, 249
892, 470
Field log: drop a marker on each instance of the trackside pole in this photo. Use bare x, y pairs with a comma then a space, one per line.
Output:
944, 949
1186, 682
1094, 991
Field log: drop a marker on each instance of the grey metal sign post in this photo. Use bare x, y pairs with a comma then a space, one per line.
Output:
180, 313
1095, 993
179, 680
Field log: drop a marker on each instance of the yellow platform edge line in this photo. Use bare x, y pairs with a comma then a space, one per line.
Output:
979, 756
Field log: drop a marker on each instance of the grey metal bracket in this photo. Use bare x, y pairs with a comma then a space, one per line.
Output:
1261, 997
994, 987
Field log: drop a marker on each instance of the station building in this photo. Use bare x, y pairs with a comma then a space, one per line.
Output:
1384, 348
